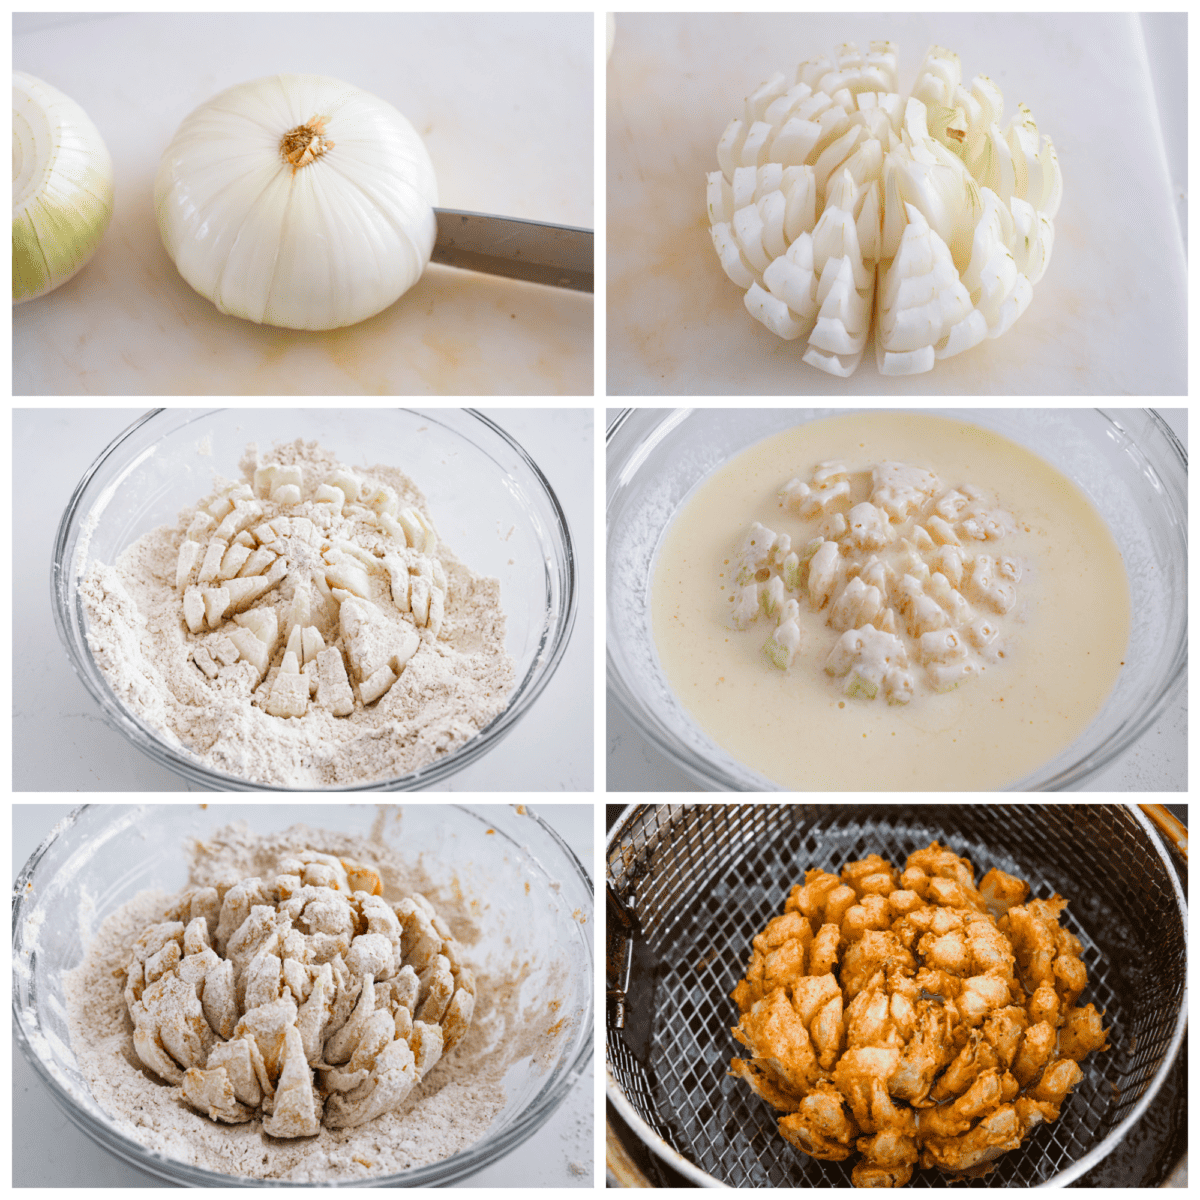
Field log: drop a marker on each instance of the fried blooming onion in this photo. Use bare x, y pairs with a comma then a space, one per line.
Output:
914, 1017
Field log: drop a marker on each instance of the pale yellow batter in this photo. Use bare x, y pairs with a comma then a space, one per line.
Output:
1065, 640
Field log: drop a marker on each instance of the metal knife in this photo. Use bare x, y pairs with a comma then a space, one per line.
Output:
557, 255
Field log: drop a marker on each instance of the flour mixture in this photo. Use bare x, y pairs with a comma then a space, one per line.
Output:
232, 1026
304, 627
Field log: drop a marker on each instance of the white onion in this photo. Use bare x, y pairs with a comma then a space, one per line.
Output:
838, 197
62, 188
298, 201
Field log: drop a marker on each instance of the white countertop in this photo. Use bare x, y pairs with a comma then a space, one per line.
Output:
1157, 762
1108, 318
54, 1153
60, 740
504, 103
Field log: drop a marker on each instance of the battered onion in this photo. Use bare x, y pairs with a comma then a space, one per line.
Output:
914, 1017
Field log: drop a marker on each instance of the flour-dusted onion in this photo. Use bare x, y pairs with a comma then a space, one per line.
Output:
62, 188
299, 201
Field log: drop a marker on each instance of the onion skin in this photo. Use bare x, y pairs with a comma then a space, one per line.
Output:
63, 200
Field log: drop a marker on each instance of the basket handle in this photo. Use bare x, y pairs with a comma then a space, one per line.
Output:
1169, 825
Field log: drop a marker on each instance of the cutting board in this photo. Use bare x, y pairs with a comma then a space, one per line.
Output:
505, 106
1108, 318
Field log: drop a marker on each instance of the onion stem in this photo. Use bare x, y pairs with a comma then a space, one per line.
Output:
305, 143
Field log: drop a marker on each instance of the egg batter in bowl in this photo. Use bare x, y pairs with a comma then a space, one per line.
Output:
890, 600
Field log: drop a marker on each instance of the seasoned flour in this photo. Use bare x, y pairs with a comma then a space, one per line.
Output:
302, 628
451, 1108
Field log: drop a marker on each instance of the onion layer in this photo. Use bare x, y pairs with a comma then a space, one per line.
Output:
62, 188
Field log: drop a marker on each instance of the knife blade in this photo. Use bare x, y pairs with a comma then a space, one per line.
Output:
557, 255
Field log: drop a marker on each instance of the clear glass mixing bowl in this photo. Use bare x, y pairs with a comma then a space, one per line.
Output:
490, 502
1129, 464
535, 905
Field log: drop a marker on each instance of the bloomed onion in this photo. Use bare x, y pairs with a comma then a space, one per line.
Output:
836, 196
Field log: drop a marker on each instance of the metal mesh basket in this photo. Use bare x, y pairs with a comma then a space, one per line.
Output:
697, 882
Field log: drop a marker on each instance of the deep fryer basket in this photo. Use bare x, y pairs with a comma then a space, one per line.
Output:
697, 882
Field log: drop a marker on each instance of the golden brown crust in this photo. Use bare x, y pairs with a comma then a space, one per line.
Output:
913, 1017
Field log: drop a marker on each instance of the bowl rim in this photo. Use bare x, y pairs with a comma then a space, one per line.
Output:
543, 665
713, 778
466, 1162
653, 1141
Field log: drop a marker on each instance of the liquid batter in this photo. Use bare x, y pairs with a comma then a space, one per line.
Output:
1064, 641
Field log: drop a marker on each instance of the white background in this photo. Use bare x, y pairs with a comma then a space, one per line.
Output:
53, 1153
60, 740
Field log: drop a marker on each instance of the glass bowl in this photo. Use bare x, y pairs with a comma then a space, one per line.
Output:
535, 906
1128, 463
487, 497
